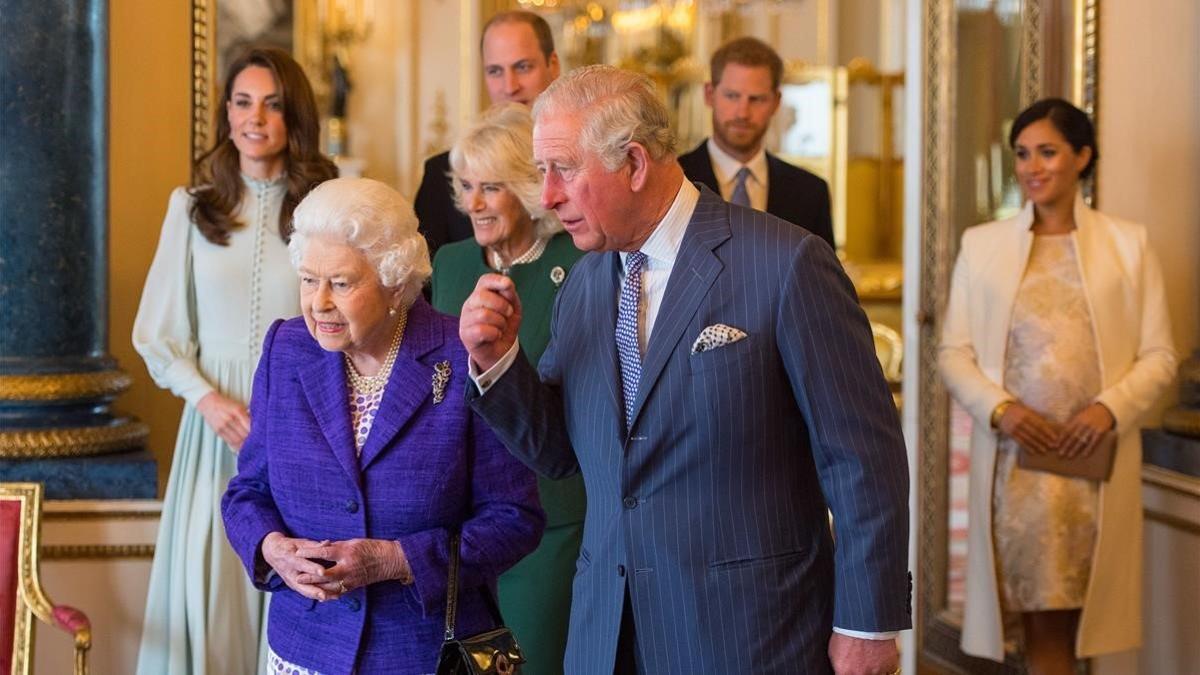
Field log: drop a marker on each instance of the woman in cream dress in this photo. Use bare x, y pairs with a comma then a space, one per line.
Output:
220, 276
1056, 332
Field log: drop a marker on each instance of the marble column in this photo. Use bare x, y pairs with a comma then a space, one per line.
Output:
57, 380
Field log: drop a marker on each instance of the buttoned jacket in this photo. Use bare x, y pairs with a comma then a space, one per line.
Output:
428, 467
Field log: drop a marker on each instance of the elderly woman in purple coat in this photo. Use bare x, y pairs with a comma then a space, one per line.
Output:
363, 459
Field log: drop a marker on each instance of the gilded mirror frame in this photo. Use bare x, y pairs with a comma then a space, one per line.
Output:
937, 633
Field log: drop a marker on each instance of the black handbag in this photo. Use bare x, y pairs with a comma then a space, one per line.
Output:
493, 652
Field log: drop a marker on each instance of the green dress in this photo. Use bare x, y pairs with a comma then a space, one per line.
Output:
535, 595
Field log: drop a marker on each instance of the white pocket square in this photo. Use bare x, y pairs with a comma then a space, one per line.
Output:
717, 335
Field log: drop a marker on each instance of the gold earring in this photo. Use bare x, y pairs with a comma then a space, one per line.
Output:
391, 311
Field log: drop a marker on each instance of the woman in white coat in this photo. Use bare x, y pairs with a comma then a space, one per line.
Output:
1056, 332
220, 276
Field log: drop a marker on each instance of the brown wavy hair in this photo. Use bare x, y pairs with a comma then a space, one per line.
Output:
217, 188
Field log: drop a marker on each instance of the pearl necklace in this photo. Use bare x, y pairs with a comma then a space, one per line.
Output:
369, 384
533, 253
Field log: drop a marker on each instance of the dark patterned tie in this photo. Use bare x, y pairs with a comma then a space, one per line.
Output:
627, 331
741, 196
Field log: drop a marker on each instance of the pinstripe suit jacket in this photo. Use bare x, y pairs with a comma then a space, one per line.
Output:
712, 508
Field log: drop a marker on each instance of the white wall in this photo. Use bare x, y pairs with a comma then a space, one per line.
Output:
1149, 127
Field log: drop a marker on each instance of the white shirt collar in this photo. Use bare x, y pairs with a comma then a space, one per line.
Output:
663, 244
726, 166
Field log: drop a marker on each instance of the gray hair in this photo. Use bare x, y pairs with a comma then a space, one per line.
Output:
372, 218
618, 107
498, 148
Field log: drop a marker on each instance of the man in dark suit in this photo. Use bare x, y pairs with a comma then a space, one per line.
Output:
744, 95
712, 376
519, 62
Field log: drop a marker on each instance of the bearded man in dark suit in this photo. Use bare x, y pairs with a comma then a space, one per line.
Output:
744, 96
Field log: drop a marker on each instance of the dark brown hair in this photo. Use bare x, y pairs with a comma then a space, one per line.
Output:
217, 188
1071, 122
746, 51
541, 29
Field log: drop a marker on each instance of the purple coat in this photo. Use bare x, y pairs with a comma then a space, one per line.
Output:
425, 470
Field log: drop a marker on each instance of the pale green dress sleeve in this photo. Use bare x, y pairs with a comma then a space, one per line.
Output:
164, 332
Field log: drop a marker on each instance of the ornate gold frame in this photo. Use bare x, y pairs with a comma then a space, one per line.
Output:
937, 632
203, 81
32, 601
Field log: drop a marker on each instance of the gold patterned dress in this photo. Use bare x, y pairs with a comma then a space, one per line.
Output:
1044, 525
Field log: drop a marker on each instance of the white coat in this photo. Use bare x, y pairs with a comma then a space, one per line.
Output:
1123, 285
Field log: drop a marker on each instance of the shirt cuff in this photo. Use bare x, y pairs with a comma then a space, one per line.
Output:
484, 381
863, 635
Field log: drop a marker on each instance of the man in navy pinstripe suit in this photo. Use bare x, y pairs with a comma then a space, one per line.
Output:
755, 402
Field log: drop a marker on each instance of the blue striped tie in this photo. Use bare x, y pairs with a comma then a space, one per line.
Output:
627, 331
741, 196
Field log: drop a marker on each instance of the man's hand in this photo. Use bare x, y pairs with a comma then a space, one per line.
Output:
858, 656
489, 320
1030, 429
228, 418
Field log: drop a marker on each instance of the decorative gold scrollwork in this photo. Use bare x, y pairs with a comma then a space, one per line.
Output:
72, 441
63, 386
97, 551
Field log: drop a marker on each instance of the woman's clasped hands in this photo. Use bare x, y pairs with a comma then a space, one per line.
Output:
1079, 437
327, 570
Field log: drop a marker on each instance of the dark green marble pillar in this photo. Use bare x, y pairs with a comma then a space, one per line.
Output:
57, 380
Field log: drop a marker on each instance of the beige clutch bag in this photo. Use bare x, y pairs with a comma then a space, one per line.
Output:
1096, 466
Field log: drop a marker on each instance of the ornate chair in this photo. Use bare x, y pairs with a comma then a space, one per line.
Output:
889, 347
21, 596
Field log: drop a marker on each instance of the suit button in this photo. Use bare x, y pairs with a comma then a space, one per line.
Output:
351, 506
620, 570
353, 604
631, 502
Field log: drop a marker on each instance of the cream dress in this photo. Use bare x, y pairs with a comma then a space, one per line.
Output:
1044, 525
200, 326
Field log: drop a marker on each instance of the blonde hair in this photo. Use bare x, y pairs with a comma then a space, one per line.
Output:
617, 107
372, 218
499, 148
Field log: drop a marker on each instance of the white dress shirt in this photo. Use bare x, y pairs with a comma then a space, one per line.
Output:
660, 248
726, 168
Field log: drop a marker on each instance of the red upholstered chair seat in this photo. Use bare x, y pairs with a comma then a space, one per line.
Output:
10, 542
21, 595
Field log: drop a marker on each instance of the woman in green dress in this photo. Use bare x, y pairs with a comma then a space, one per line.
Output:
498, 187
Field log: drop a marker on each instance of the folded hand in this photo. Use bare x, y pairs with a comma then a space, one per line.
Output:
300, 573
1030, 429
1085, 430
356, 563
225, 416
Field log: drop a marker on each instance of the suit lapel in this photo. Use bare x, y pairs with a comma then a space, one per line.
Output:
777, 204
605, 307
1090, 246
1010, 272
410, 383
695, 270
325, 389
700, 168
